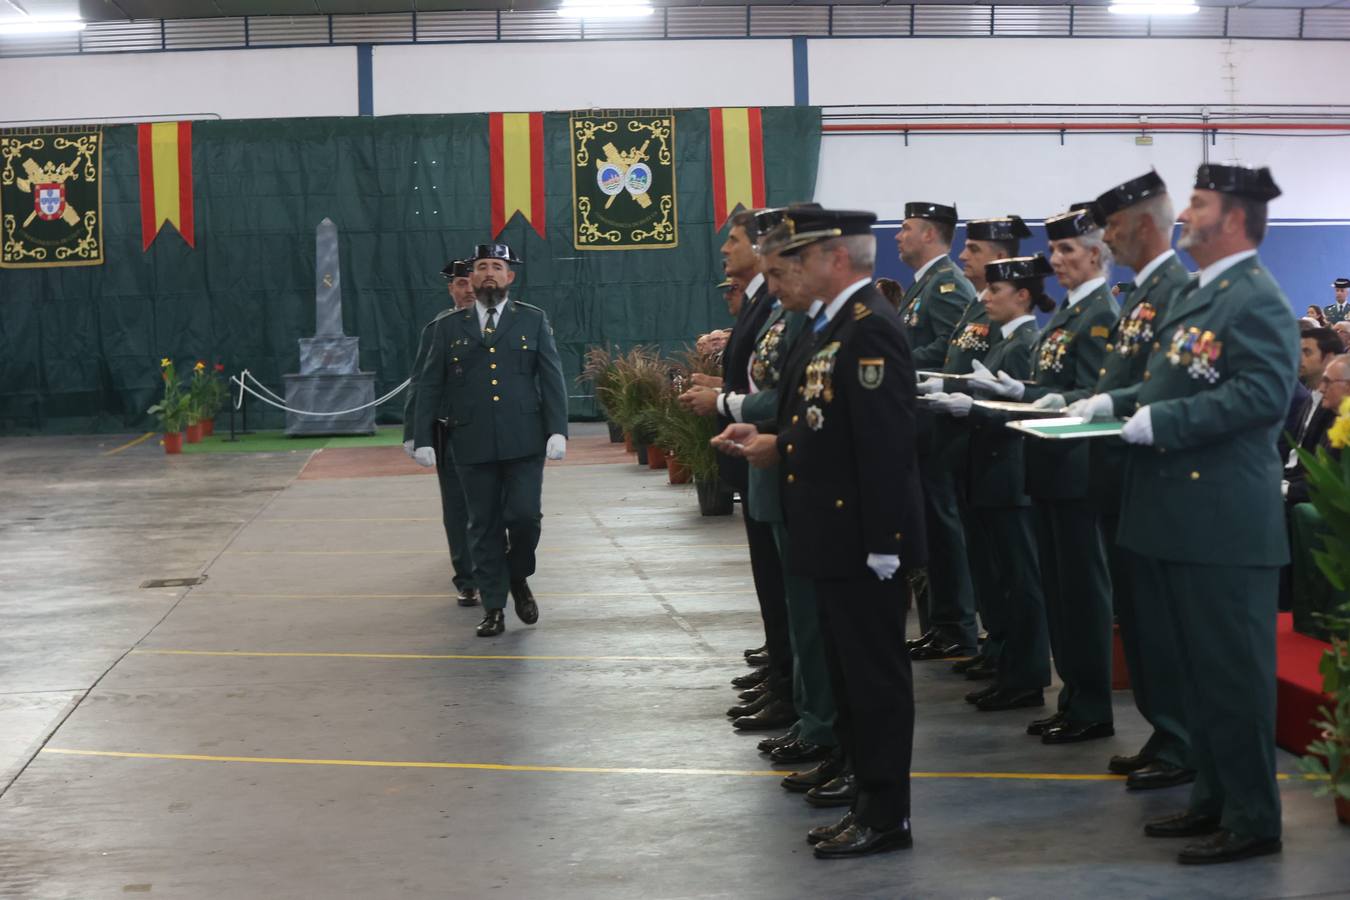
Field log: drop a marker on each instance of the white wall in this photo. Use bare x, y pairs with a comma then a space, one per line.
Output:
528, 77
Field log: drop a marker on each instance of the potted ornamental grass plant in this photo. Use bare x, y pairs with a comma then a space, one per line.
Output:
172, 409
599, 371
638, 384
1328, 759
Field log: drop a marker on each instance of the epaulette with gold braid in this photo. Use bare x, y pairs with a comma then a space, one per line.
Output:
860, 312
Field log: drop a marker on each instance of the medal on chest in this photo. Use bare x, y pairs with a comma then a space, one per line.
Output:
1136, 329
1054, 348
820, 373
974, 338
912, 314
1196, 351
765, 367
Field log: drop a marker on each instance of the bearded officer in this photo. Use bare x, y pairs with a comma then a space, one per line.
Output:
492, 372
1202, 506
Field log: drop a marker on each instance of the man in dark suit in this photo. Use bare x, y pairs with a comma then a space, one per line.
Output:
1321, 370
845, 444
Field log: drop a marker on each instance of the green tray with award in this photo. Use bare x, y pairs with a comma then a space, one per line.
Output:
1068, 428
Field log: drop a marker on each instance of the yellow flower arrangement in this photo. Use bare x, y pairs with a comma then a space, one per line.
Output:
1339, 433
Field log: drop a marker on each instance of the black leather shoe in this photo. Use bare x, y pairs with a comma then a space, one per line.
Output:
1124, 765
800, 751
975, 697
1001, 700
750, 707
1187, 824
778, 714
752, 693
493, 624
1067, 732
960, 666
1224, 846
750, 679
1038, 726
841, 791
925, 638
939, 649
825, 772
985, 671
769, 744
860, 840
467, 597
762, 648
758, 659
1158, 774
526, 609
826, 832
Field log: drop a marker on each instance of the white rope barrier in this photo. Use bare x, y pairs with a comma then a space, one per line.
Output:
279, 403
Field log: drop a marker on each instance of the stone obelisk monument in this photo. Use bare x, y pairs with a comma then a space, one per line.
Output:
330, 377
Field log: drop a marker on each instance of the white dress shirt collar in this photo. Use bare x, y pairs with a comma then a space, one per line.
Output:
1215, 269
1009, 327
1152, 267
1084, 289
482, 311
754, 285
923, 269
837, 303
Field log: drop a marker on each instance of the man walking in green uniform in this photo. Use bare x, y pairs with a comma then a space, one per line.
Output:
929, 312
454, 510
492, 372
1202, 506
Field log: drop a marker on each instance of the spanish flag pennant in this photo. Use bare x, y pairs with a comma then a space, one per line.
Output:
517, 159
166, 179
737, 160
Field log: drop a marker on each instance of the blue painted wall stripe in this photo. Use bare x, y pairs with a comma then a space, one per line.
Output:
801, 86
365, 80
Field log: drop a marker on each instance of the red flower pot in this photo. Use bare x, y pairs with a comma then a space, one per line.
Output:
627, 442
656, 457
173, 442
208, 427
194, 433
676, 471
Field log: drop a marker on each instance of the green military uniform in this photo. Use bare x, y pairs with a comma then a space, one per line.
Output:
1074, 573
502, 395
931, 310
454, 508
812, 695
1202, 508
1336, 312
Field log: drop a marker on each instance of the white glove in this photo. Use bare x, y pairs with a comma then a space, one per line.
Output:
1049, 401
884, 565
1139, 429
408, 448
425, 456
1098, 406
557, 447
1000, 385
1284, 489
929, 386
954, 404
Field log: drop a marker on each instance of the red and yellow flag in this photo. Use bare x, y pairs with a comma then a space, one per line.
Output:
517, 160
737, 160
166, 179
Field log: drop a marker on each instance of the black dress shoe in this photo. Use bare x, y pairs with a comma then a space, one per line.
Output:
750, 679
778, 714
1187, 824
860, 840
526, 609
769, 744
1067, 732
960, 666
750, 707
752, 693
800, 751
976, 696
467, 597
1158, 774
493, 624
826, 832
925, 638
1124, 765
985, 671
938, 649
841, 791
1001, 700
1038, 726
762, 648
824, 772
759, 659
1224, 846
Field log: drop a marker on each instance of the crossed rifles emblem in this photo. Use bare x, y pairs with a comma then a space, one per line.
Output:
623, 171
48, 187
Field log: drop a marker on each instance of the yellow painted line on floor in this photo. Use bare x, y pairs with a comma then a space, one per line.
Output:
132, 443
304, 654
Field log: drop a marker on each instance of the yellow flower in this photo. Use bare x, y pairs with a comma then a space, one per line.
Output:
1339, 433
165, 362
199, 367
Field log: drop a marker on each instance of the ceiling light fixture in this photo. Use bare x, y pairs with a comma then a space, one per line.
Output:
1141, 8
41, 25
605, 9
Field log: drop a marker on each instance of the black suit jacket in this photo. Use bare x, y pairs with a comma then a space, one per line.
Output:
846, 437
1310, 438
735, 379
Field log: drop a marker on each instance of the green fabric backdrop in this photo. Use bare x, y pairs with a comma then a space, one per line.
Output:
80, 347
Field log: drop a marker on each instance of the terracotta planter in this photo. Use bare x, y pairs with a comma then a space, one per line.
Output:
208, 427
627, 442
676, 471
656, 457
194, 433
173, 442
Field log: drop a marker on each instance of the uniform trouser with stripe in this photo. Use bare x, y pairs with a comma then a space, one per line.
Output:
1223, 620
951, 598
766, 567
863, 621
1077, 588
504, 499
454, 510
1006, 540
811, 692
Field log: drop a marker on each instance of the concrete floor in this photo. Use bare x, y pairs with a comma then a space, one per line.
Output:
354, 739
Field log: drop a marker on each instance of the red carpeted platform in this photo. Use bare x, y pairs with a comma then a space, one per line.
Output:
1299, 685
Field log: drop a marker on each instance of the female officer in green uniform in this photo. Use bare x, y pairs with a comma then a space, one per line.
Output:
1074, 575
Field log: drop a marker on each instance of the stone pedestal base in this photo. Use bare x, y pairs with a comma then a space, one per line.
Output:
330, 392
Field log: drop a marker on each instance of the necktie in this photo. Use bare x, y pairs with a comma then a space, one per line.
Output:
492, 320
